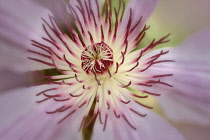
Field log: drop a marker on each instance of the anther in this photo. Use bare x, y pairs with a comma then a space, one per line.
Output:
97, 58
125, 86
125, 118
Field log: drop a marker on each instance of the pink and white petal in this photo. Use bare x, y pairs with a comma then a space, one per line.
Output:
17, 28
148, 128
190, 93
24, 22
10, 79
55, 7
193, 132
140, 8
183, 109
16, 102
24, 119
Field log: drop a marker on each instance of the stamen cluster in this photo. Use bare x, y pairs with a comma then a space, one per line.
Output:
97, 58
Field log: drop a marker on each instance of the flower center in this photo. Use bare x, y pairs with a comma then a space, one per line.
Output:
97, 58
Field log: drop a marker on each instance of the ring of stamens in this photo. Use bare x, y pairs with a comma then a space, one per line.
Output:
97, 58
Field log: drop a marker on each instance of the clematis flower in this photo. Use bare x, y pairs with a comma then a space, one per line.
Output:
97, 67
93, 70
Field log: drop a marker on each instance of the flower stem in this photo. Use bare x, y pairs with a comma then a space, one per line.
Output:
88, 131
